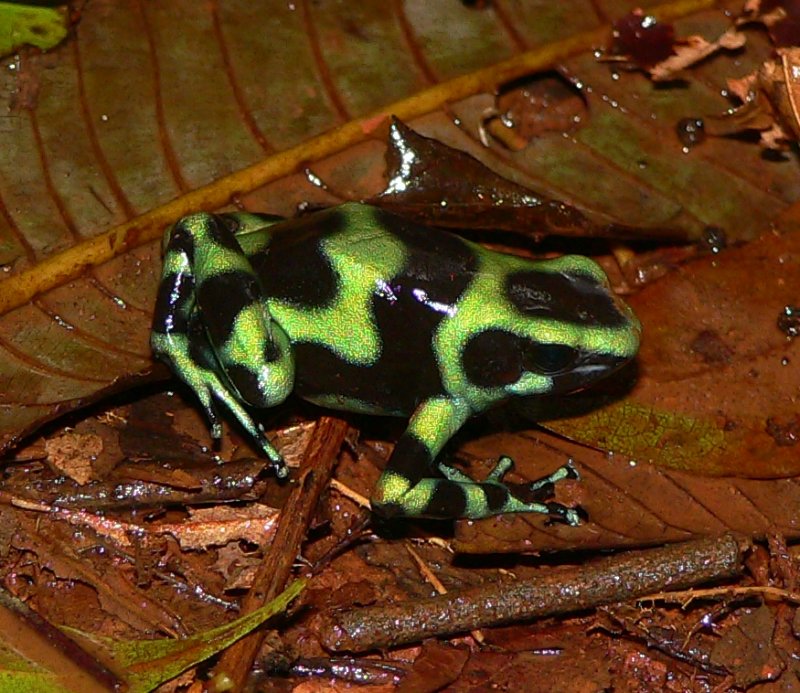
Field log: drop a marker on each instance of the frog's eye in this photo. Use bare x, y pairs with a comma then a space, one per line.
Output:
493, 358
549, 359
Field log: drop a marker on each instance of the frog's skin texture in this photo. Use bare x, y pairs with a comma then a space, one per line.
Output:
359, 310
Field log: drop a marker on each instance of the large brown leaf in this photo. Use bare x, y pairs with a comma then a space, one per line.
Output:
718, 379
150, 103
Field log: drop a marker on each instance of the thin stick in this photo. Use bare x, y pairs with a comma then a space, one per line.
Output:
274, 572
621, 578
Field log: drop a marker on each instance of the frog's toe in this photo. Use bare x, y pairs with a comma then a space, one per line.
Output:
275, 458
536, 495
545, 486
571, 516
504, 465
214, 424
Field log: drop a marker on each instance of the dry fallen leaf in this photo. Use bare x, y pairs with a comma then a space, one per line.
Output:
73, 453
692, 50
221, 525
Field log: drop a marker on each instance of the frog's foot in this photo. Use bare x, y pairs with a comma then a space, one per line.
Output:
543, 489
504, 500
210, 389
494, 497
215, 390
231, 401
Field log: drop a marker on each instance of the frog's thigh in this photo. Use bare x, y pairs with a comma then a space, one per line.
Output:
252, 349
409, 485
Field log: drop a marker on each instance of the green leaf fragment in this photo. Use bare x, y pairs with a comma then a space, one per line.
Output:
664, 438
43, 27
146, 664
20, 674
30, 682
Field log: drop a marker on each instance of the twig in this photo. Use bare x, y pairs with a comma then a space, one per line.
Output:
720, 593
274, 572
621, 578
436, 583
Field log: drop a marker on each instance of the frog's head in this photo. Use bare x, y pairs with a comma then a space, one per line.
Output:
567, 329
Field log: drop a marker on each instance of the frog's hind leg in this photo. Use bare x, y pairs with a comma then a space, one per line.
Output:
411, 486
213, 326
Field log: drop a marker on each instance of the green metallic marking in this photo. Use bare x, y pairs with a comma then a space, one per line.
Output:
482, 307
475, 503
504, 464
253, 330
254, 243
253, 234
566, 471
417, 498
216, 259
176, 263
391, 487
248, 337
515, 505
454, 474
364, 259
210, 257
573, 265
616, 341
437, 420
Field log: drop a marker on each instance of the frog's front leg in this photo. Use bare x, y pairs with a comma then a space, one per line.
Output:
408, 488
213, 327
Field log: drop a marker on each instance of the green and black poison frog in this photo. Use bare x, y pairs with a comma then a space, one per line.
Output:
356, 309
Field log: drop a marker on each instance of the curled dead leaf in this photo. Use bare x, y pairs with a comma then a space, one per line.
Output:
693, 49
770, 99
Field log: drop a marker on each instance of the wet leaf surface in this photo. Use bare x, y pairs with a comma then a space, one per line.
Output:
717, 377
149, 102
624, 162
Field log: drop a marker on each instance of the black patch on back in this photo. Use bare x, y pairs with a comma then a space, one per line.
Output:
321, 372
439, 263
221, 297
576, 298
293, 268
439, 269
173, 293
493, 358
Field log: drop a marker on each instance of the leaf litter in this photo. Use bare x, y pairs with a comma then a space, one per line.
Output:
698, 353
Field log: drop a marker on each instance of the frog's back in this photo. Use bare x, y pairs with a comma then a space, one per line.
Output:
301, 264
360, 293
